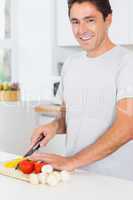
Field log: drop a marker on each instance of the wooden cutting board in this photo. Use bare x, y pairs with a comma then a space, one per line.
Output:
11, 172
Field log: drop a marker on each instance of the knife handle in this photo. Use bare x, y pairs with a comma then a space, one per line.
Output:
35, 147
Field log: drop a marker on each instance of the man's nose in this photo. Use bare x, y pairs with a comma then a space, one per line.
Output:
82, 28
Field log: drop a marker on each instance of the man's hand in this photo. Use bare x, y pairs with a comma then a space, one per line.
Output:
48, 130
58, 162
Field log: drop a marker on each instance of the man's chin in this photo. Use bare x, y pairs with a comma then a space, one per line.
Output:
86, 47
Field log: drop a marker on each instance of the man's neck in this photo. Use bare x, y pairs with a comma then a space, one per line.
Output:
103, 48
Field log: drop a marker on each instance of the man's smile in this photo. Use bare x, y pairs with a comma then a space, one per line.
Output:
86, 36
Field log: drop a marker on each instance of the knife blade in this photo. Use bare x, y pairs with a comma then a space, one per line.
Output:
34, 148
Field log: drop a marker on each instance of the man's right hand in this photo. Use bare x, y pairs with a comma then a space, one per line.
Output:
48, 130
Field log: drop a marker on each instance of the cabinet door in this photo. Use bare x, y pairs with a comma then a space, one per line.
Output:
35, 48
64, 32
119, 30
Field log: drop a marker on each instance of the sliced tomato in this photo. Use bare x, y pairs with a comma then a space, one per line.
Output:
38, 166
26, 166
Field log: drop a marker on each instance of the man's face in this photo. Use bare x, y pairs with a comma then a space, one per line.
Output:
88, 25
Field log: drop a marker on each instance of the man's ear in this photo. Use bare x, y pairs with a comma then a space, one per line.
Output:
108, 20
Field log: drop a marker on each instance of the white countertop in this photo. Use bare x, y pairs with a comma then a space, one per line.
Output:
82, 185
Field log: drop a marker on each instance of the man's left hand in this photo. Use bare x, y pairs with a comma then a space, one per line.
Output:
58, 162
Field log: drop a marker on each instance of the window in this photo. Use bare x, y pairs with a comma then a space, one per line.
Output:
7, 40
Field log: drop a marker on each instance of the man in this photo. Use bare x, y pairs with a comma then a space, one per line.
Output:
97, 91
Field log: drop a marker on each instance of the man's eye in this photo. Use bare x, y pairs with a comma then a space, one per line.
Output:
90, 20
74, 22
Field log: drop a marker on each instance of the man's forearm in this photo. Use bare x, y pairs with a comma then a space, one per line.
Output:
108, 143
60, 124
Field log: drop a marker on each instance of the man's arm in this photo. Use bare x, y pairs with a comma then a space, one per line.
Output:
60, 121
120, 133
49, 130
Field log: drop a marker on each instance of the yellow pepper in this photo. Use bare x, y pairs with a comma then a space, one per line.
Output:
13, 163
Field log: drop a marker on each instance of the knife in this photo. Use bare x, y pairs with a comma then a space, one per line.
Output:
34, 148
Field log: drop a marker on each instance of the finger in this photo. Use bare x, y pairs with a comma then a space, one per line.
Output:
45, 141
41, 156
37, 135
47, 155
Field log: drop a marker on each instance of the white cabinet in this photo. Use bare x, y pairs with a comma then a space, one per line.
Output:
35, 30
120, 30
18, 120
64, 33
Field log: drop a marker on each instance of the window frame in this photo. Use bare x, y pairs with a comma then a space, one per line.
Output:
11, 43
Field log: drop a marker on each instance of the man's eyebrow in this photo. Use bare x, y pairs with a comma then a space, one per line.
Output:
89, 17
86, 17
73, 19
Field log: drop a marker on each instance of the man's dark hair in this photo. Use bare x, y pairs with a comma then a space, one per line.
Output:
102, 5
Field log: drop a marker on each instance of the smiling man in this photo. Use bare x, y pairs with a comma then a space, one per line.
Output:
97, 91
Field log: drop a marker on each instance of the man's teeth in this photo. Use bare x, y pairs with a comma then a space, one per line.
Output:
88, 37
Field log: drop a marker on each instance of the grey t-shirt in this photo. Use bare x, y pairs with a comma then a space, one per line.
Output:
90, 88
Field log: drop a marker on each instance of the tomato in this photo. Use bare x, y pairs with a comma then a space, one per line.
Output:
38, 166
26, 166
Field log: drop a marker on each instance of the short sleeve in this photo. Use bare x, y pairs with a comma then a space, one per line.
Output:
125, 79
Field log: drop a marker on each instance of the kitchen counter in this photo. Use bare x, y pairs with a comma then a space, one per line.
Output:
41, 108
49, 109
44, 108
82, 185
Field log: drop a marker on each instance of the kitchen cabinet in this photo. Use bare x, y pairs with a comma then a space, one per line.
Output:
64, 33
35, 40
18, 120
120, 30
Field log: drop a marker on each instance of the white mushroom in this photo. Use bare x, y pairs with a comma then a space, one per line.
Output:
57, 174
47, 169
42, 177
34, 179
65, 175
52, 180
